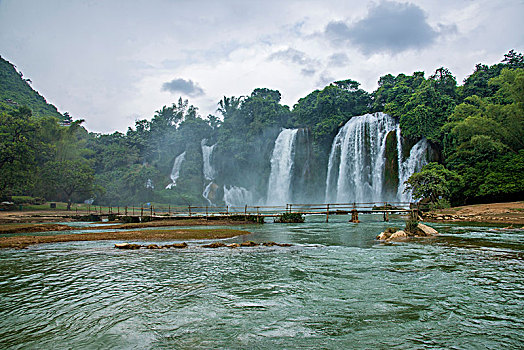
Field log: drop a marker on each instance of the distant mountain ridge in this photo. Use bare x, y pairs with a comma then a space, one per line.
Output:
15, 92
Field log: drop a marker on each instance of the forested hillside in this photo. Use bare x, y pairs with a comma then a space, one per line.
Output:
476, 131
15, 92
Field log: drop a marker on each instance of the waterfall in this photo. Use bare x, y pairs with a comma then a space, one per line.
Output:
279, 188
208, 170
356, 161
207, 151
175, 172
207, 191
415, 162
235, 196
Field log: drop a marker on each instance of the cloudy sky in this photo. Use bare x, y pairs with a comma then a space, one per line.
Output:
114, 61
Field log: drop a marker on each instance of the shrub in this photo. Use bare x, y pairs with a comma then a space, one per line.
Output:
130, 219
290, 218
411, 226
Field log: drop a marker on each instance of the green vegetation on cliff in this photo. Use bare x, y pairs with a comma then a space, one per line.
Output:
15, 92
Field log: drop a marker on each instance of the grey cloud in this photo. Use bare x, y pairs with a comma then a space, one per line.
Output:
308, 71
187, 87
388, 26
296, 57
339, 59
291, 55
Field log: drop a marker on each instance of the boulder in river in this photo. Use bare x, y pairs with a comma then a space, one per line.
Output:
425, 230
153, 246
177, 245
248, 244
127, 246
395, 235
214, 245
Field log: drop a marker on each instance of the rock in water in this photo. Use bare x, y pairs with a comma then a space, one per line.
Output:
398, 236
248, 244
424, 230
393, 234
214, 245
179, 245
127, 246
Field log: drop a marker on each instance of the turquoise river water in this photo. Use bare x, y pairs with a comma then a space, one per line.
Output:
335, 288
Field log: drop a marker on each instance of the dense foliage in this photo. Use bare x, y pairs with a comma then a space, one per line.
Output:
476, 128
15, 92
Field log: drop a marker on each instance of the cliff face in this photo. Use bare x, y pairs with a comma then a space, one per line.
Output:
391, 166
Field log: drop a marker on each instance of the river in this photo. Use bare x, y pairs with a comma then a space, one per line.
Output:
335, 288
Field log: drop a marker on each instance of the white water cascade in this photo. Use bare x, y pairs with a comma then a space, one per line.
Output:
235, 196
175, 172
357, 158
208, 170
357, 161
279, 188
207, 151
412, 164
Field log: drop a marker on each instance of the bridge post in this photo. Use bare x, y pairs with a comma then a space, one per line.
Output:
125, 210
189, 209
151, 210
354, 216
327, 213
245, 212
141, 211
206, 212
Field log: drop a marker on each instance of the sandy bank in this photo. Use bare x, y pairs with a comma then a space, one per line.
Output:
28, 228
511, 213
144, 235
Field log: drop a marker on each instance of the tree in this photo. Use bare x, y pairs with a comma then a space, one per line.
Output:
433, 181
18, 151
70, 178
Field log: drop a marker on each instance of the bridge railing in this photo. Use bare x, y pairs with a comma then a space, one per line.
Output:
259, 210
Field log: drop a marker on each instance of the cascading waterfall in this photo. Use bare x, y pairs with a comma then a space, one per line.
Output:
208, 170
175, 172
207, 151
415, 162
235, 196
356, 162
279, 188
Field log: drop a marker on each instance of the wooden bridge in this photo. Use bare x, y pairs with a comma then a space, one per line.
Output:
211, 212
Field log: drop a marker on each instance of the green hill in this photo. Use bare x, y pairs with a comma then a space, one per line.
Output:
15, 92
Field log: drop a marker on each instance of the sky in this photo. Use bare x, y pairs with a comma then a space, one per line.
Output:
113, 62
